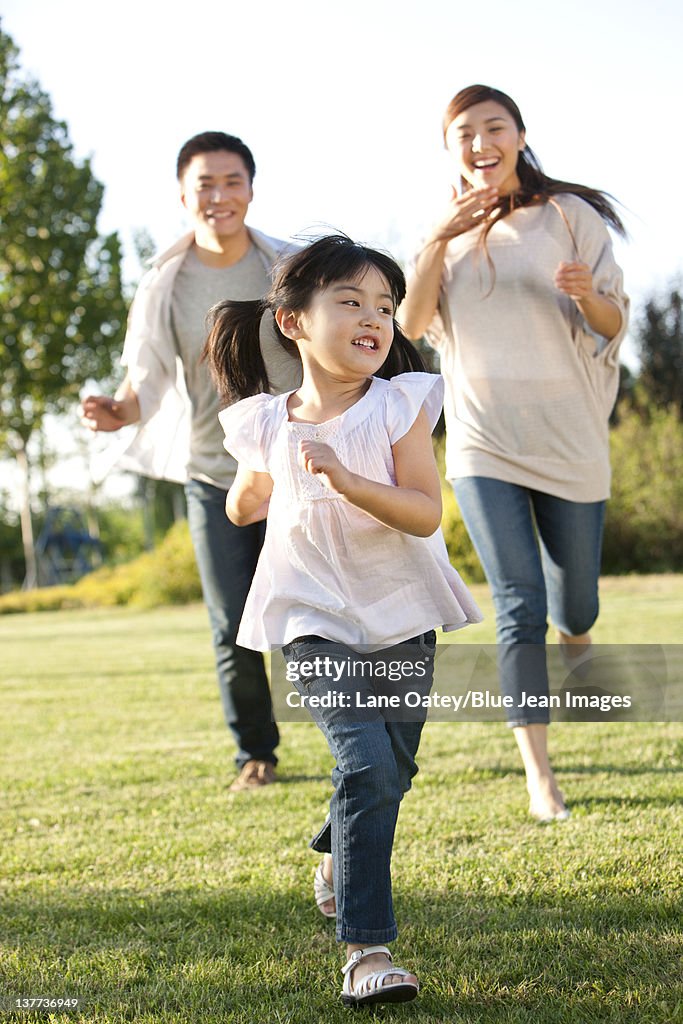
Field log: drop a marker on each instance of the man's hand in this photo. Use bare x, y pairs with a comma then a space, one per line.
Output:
101, 413
98, 412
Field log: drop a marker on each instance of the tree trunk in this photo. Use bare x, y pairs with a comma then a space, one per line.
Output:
179, 506
31, 577
148, 489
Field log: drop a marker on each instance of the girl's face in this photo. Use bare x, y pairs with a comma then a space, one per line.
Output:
348, 327
486, 142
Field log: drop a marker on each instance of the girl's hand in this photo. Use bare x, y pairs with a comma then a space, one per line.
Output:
575, 280
464, 212
320, 459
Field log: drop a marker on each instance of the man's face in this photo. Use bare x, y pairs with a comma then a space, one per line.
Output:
216, 192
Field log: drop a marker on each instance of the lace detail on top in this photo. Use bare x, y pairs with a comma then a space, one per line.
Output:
306, 485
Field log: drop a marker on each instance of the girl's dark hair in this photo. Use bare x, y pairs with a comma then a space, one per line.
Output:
535, 186
233, 350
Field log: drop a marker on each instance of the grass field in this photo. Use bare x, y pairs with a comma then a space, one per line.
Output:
133, 880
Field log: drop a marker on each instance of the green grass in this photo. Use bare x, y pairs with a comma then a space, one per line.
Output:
132, 879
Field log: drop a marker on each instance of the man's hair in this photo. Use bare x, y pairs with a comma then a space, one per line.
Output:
213, 142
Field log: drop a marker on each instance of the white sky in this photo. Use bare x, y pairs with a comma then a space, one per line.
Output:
341, 105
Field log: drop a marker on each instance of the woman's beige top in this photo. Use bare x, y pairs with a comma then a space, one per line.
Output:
529, 387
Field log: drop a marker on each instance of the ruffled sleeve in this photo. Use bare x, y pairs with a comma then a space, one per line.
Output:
248, 431
406, 395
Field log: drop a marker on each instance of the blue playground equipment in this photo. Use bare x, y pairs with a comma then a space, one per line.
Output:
65, 550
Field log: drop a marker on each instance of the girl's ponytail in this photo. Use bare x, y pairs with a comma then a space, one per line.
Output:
233, 349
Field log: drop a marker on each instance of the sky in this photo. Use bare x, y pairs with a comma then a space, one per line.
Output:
341, 105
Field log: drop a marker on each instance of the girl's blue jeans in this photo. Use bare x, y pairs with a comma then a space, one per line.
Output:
541, 556
374, 750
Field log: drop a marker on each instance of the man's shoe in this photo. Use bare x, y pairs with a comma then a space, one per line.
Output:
253, 775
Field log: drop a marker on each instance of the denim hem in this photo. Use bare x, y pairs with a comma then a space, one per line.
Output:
521, 723
322, 840
245, 758
375, 937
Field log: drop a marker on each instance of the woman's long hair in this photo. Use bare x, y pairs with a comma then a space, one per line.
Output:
233, 350
535, 186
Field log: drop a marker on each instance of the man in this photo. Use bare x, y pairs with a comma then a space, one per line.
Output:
169, 393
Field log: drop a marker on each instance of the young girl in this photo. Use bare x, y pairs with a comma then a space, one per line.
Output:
354, 566
518, 289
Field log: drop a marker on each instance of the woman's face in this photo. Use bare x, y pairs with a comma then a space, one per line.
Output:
486, 142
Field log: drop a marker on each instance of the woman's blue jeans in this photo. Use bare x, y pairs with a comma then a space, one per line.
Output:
541, 556
226, 557
374, 750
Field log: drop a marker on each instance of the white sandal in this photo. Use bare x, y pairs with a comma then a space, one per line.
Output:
371, 988
323, 892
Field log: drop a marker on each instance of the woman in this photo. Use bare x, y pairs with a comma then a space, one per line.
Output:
517, 288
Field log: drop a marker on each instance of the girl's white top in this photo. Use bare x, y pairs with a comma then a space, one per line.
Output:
327, 567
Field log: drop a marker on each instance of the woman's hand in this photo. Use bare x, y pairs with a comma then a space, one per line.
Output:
422, 296
600, 313
464, 212
321, 460
575, 280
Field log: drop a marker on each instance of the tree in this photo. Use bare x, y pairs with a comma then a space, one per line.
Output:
62, 306
659, 336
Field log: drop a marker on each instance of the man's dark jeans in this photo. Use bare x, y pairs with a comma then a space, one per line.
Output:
227, 556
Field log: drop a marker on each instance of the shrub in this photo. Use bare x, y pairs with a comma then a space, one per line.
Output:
643, 529
173, 577
460, 549
644, 519
167, 575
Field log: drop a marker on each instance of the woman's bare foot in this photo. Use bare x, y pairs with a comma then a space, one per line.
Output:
573, 646
546, 802
576, 653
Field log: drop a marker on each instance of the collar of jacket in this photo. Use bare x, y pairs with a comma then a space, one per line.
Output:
270, 249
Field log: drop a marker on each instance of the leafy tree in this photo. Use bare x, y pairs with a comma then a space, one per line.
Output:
144, 246
62, 310
659, 336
